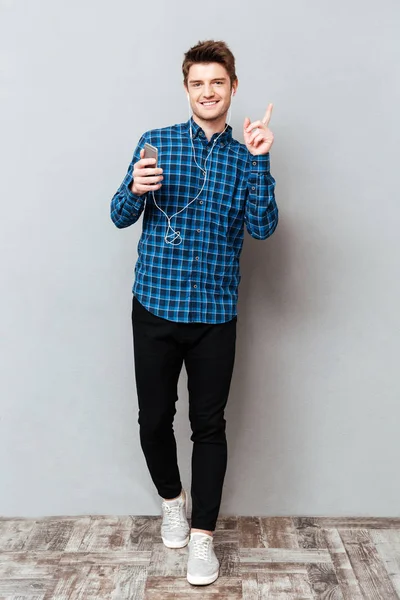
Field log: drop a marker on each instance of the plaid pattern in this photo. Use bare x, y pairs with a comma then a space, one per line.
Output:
197, 280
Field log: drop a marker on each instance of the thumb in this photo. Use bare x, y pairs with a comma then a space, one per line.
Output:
246, 123
142, 153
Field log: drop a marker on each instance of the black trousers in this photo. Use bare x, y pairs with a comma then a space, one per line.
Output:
160, 347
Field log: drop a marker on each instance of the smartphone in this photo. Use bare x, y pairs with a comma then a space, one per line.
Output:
151, 152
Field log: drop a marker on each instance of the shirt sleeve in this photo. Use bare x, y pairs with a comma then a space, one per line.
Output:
261, 211
127, 207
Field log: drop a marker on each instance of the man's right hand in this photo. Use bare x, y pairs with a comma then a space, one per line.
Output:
145, 176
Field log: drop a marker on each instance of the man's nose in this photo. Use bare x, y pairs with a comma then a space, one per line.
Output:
208, 91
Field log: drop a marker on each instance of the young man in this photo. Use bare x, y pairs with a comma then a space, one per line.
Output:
205, 188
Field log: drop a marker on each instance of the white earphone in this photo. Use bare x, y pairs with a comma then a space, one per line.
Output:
176, 234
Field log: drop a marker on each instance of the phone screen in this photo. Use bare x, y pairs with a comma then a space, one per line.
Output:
151, 152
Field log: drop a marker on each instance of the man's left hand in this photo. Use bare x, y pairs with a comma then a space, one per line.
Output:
261, 139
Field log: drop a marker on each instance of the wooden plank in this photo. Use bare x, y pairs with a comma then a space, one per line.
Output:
85, 583
348, 522
250, 586
25, 586
278, 532
144, 532
252, 568
292, 586
229, 558
43, 519
107, 533
106, 558
14, 534
168, 562
24, 597
226, 536
50, 535
371, 574
344, 572
359, 522
129, 583
29, 565
78, 532
178, 588
387, 543
281, 555
309, 533
323, 581
227, 523
250, 532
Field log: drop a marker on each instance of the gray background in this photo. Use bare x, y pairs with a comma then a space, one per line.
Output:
313, 415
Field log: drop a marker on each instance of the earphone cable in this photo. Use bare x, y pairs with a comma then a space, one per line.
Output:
176, 234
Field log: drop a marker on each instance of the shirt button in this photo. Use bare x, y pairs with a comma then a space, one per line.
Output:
200, 201
253, 188
195, 286
254, 163
198, 231
197, 258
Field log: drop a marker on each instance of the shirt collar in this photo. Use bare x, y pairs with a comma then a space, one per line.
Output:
197, 131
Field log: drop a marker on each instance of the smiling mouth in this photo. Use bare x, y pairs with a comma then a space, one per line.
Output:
210, 103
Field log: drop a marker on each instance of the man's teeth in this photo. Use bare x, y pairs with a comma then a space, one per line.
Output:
209, 103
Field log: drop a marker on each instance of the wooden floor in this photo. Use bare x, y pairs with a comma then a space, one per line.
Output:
124, 557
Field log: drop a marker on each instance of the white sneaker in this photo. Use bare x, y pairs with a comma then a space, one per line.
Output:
203, 565
175, 527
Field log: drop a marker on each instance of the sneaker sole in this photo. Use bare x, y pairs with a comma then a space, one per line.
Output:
197, 580
180, 544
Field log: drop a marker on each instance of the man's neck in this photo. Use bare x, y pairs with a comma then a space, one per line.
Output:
211, 127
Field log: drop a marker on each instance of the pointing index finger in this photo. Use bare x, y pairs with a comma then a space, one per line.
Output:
267, 116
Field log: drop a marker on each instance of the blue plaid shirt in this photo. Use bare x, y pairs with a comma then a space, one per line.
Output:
196, 280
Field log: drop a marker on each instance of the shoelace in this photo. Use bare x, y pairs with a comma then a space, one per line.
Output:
201, 547
174, 515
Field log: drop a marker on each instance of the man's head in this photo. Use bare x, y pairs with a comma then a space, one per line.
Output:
209, 78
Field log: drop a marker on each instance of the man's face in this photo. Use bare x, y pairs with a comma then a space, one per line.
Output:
209, 88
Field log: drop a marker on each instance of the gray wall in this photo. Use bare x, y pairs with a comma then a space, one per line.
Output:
313, 415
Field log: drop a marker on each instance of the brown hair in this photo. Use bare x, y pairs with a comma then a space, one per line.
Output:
207, 52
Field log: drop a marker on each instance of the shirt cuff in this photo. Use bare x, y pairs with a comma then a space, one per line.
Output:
259, 163
134, 201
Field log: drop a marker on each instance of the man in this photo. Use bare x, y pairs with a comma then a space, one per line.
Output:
186, 286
